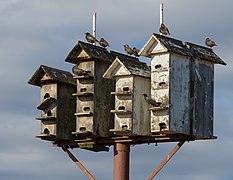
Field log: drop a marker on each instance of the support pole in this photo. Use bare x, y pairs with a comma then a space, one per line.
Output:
94, 27
161, 15
76, 161
168, 157
121, 161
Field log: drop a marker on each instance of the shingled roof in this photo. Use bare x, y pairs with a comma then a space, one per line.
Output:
91, 52
133, 66
54, 75
186, 49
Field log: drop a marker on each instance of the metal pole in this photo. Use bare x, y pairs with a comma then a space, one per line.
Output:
94, 26
76, 161
161, 15
168, 157
121, 161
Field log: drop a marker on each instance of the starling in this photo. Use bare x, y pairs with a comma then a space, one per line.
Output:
79, 72
136, 51
46, 131
209, 42
128, 50
151, 102
164, 30
103, 42
90, 38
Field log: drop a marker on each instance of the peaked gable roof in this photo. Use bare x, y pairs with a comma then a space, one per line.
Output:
177, 46
127, 66
52, 75
84, 50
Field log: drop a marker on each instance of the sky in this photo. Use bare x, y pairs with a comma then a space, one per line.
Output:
34, 32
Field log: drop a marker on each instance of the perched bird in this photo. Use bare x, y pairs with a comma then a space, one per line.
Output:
136, 51
151, 102
79, 72
103, 42
164, 30
209, 42
128, 49
90, 38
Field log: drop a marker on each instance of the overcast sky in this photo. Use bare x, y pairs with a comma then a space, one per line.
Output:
35, 32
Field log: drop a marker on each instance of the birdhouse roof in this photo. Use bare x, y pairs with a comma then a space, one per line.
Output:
45, 74
160, 44
126, 65
84, 51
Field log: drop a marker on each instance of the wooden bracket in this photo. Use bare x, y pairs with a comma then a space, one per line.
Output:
168, 157
76, 161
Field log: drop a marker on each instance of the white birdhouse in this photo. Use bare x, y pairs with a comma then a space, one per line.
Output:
93, 103
182, 80
132, 81
57, 105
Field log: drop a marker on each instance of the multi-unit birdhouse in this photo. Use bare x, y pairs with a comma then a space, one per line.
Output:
93, 100
182, 81
132, 78
57, 105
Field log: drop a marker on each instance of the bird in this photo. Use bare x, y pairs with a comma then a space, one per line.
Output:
79, 72
136, 51
210, 43
164, 30
103, 42
90, 38
151, 102
128, 49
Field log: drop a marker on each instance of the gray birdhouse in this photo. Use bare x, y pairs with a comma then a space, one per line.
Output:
93, 103
182, 80
132, 81
57, 105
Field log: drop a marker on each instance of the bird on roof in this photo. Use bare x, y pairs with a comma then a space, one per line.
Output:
210, 43
103, 42
128, 49
90, 38
136, 51
151, 102
164, 30
79, 72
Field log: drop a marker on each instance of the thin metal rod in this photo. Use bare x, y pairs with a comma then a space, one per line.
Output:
168, 157
76, 161
94, 26
121, 161
161, 13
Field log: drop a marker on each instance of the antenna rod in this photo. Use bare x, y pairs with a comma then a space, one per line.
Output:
94, 26
161, 14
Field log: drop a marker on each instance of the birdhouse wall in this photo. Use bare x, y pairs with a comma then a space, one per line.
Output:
58, 118
141, 115
124, 103
170, 85
66, 103
48, 90
104, 101
179, 87
93, 100
203, 98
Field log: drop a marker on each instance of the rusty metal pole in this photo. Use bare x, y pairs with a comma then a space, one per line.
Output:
121, 161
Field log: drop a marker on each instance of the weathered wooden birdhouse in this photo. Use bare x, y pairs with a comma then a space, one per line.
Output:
132, 81
93, 100
182, 80
57, 105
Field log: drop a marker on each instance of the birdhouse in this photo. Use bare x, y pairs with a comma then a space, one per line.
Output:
57, 105
132, 78
182, 80
93, 103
